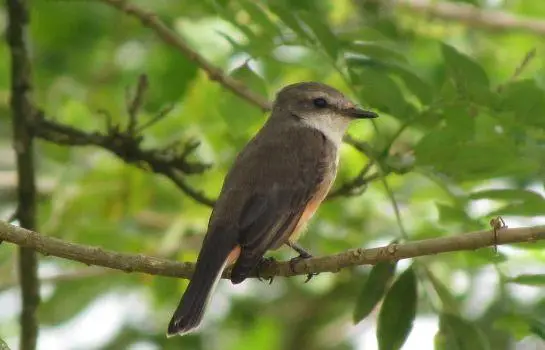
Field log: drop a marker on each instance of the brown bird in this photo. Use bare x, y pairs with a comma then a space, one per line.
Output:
274, 187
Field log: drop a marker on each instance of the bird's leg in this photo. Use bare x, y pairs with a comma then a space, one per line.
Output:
303, 254
265, 261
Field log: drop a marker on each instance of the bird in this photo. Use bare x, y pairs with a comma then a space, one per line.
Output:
275, 185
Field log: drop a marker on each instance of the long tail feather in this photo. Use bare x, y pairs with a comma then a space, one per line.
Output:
210, 265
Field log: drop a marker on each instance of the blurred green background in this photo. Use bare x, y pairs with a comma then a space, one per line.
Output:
461, 139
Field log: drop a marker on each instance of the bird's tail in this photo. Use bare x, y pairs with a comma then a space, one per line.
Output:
211, 262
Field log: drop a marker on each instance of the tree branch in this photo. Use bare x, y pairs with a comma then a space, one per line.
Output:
166, 34
471, 16
22, 112
167, 161
333, 263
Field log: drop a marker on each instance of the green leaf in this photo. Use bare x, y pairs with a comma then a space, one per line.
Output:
537, 327
379, 90
241, 116
323, 34
507, 194
373, 290
526, 99
470, 78
456, 333
418, 86
466, 160
484, 257
229, 15
398, 311
3, 345
258, 15
377, 50
448, 302
290, 20
516, 325
528, 208
172, 76
528, 280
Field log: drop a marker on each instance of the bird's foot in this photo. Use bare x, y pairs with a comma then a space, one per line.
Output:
263, 263
302, 256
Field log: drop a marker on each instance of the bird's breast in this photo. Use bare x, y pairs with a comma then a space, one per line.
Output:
314, 203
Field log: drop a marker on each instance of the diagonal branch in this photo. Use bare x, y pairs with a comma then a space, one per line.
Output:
174, 165
22, 112
471, 15
151, 21
156, 266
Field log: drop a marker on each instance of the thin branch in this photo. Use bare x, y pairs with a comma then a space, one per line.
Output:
134, 106
354, 187
166, 161
530, 55
156, 266
170, 37
472, 16
22, 113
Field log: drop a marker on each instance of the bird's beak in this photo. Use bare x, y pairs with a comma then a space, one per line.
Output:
359, 113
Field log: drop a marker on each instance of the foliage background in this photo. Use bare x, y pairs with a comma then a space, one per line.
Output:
468, 150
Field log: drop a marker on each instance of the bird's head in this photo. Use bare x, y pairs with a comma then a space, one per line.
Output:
319, 106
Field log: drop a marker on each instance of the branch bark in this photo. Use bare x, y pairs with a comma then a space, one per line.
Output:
127, 147
166, 34
22, 112
333, 263
471, 16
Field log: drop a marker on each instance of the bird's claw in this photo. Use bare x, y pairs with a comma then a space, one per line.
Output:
295, 260
265, 261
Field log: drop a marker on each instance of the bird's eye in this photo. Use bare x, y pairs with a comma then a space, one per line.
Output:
320, 102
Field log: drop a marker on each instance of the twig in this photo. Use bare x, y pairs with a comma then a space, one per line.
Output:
134, 106
472, 16
160, 115
354, 187
22, 113
141, 263
197, 195
126, 147
151, 21
518, 71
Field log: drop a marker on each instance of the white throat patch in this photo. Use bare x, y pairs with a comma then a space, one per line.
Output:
332, 127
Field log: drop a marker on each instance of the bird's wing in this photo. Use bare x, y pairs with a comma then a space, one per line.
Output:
285, 180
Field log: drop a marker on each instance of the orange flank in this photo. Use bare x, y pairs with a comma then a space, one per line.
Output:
233, 256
